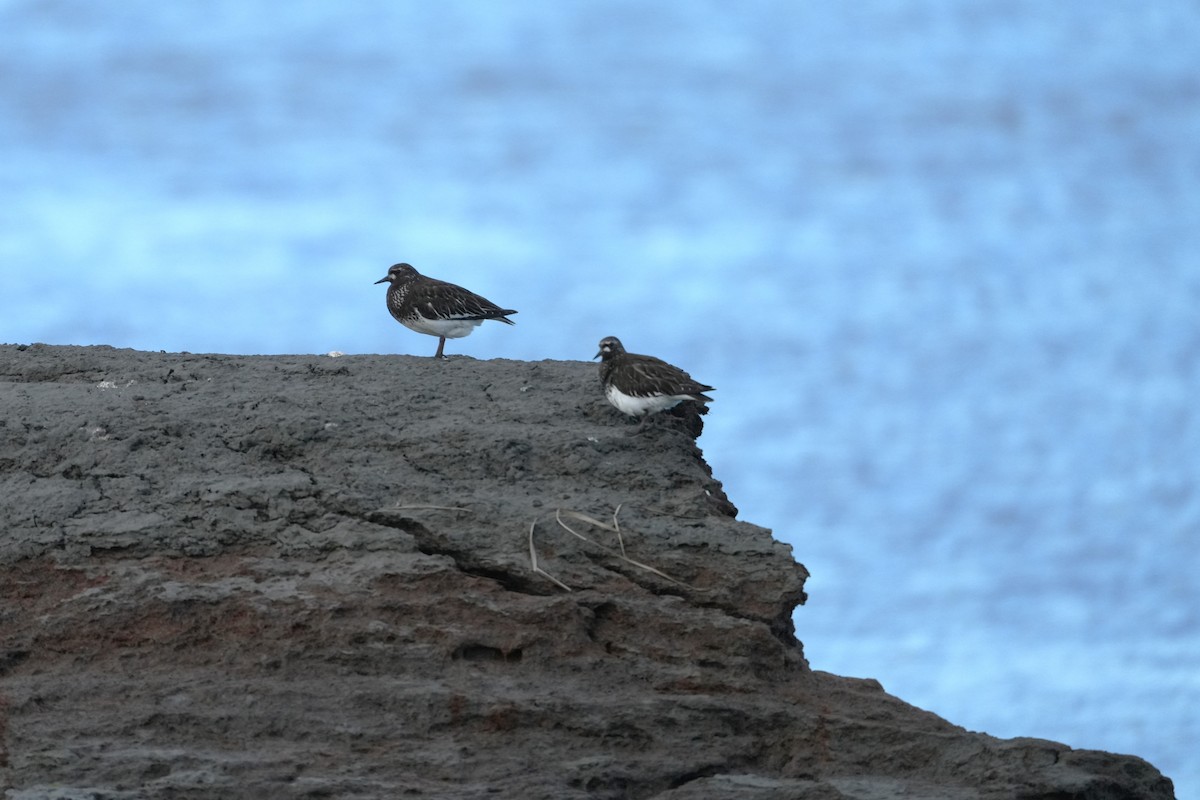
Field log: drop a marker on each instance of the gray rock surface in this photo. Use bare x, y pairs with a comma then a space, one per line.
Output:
305, 576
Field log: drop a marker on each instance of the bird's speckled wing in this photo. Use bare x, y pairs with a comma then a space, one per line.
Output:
646, 376
434, 299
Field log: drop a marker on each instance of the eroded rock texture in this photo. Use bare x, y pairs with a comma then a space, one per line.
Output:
304, 576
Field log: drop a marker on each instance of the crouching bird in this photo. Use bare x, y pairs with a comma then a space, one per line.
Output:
642, 385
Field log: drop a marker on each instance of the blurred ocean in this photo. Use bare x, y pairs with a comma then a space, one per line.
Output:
941, 259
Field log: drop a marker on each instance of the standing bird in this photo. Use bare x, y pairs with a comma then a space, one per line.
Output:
427, 305
641, 385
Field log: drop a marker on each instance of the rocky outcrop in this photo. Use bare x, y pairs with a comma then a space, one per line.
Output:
305, 576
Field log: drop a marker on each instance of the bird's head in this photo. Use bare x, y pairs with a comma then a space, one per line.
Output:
399, 273
609, 347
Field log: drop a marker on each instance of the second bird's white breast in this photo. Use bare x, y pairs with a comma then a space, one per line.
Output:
637, 406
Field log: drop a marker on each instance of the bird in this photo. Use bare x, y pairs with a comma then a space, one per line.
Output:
441, 309
642, 385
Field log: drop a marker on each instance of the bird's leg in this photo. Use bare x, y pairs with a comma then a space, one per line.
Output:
641, 426
441, 344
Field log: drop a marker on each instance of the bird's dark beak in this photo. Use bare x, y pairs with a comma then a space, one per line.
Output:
597, 355
383, 279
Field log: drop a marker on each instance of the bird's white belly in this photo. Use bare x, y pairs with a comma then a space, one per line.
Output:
450, 328
637, 406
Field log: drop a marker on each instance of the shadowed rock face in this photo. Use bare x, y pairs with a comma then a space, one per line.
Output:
301, 576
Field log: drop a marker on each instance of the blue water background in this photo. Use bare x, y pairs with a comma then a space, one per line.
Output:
941, 259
